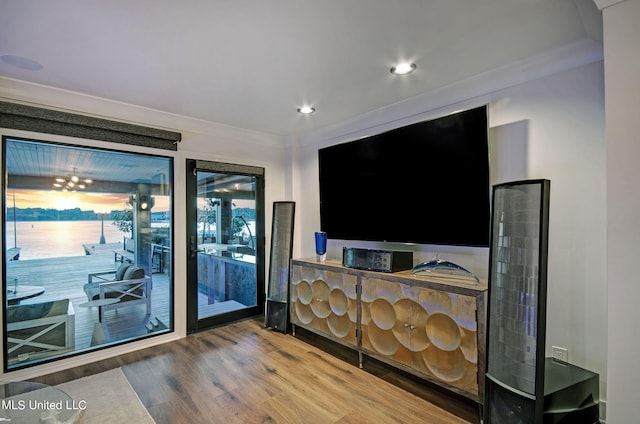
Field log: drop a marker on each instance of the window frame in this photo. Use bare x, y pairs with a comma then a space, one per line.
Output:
98, 145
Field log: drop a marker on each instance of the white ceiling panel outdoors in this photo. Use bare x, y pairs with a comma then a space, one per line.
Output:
252, 63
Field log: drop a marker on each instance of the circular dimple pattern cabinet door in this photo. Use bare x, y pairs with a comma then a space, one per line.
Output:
325, 302
431, 331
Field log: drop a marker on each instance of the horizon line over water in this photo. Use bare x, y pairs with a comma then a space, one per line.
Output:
54, 239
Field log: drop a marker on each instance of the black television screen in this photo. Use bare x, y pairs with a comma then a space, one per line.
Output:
425, 183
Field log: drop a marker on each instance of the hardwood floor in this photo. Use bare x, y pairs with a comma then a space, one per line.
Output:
242, 373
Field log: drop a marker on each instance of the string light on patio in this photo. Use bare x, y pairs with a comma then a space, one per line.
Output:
72, 183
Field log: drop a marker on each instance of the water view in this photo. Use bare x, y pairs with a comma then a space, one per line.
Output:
52, 239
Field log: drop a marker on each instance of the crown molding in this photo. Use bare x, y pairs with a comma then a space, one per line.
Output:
603, 4
462, 94
18, 91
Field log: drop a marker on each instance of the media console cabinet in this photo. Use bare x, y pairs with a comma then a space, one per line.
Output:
429, 326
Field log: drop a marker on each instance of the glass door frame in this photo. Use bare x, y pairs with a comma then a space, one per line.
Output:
194, 323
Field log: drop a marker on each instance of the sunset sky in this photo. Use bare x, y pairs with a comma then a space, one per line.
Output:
97, 202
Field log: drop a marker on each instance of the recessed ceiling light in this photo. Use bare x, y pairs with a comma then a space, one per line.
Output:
21, 62
306, 110
403, 68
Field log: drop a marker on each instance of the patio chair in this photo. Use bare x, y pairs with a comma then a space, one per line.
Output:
128, 285
40, 330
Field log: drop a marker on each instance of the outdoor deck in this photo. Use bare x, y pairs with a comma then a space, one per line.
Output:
64, 277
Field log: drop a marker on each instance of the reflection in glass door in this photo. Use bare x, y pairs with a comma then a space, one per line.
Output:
225, 268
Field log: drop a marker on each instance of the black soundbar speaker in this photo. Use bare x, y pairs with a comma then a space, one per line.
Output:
377, 260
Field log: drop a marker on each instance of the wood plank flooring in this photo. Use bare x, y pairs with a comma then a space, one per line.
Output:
242, 373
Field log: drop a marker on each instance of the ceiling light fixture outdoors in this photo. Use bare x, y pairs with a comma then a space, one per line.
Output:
403, 68
74, 182
306, 110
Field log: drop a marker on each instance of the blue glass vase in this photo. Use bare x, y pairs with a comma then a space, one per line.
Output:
321, 246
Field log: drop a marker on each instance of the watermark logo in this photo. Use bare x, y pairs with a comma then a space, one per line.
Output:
46, 411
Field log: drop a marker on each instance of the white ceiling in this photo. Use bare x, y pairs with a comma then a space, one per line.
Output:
251, 63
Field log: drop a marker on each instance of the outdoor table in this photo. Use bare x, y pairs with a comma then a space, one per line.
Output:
22, 292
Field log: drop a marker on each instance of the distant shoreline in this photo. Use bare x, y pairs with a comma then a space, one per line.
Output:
75, 214
107, 220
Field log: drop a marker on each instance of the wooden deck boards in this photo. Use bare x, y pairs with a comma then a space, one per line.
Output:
63, 278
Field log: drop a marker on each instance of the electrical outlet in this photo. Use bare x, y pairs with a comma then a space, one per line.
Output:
560, 353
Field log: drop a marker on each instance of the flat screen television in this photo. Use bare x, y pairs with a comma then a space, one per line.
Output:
425, 183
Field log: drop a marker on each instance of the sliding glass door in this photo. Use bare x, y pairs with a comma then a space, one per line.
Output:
225, 237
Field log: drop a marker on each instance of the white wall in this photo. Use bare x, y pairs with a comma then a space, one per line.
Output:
622, 82
565, 115
553, 127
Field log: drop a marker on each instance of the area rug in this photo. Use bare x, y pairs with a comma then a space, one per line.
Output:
107, 398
